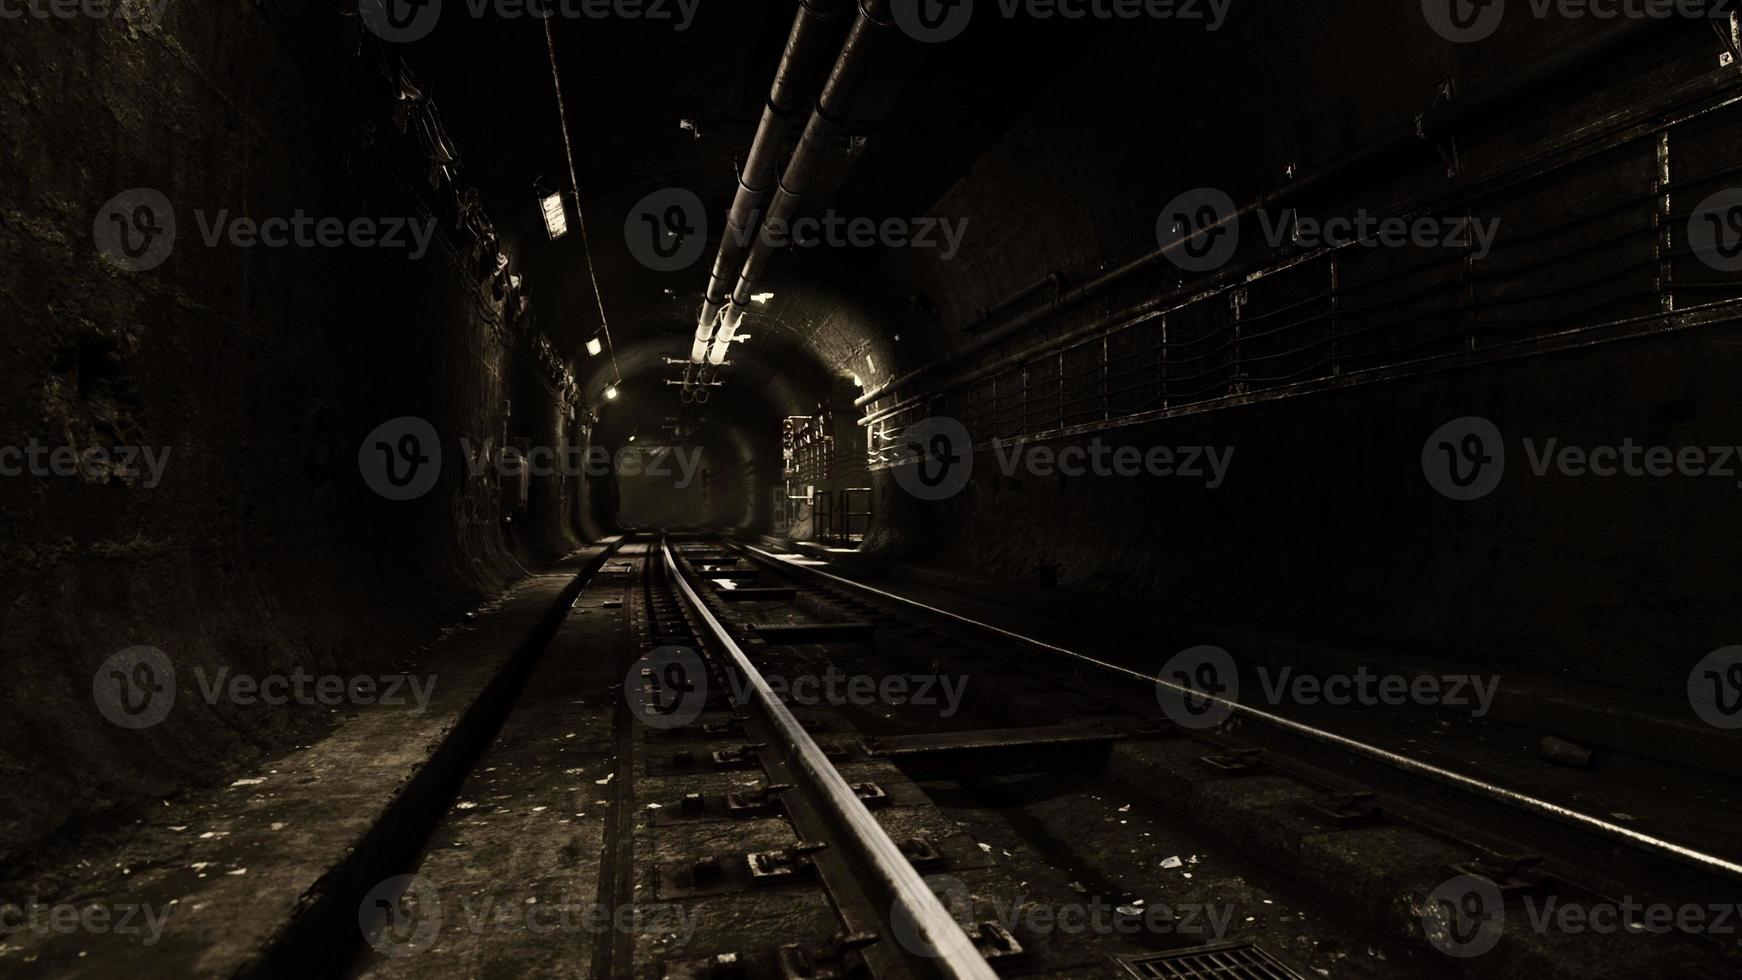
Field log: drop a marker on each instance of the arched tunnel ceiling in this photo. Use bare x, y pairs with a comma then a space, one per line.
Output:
927, 113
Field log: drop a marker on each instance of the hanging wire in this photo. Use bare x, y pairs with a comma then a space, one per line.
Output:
562, 115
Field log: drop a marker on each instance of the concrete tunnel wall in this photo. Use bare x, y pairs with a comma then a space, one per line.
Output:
1326, 526
262, 371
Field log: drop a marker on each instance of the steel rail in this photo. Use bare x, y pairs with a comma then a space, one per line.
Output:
950, 950
1523, 801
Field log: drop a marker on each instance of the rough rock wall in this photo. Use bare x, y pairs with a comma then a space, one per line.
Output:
259, 371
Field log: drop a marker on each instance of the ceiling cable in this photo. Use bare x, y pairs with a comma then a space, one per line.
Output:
562, 116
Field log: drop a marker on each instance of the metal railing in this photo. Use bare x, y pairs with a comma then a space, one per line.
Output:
1591, 238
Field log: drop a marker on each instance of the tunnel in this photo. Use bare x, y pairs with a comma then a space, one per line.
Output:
866, 489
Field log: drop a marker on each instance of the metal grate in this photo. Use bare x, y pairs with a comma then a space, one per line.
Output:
1229, 961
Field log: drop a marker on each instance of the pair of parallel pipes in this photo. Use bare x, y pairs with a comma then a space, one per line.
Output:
738, 267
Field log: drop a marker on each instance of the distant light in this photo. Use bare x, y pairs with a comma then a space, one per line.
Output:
611, 393
857, 383
556, 217
595, 347
762, 298
631, 438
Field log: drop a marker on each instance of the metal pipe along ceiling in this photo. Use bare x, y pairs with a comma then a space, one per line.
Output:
801, 171
804, 49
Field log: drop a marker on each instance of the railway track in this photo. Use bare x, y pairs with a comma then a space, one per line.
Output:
772, 770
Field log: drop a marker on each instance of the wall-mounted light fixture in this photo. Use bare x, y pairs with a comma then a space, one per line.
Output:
556, 217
